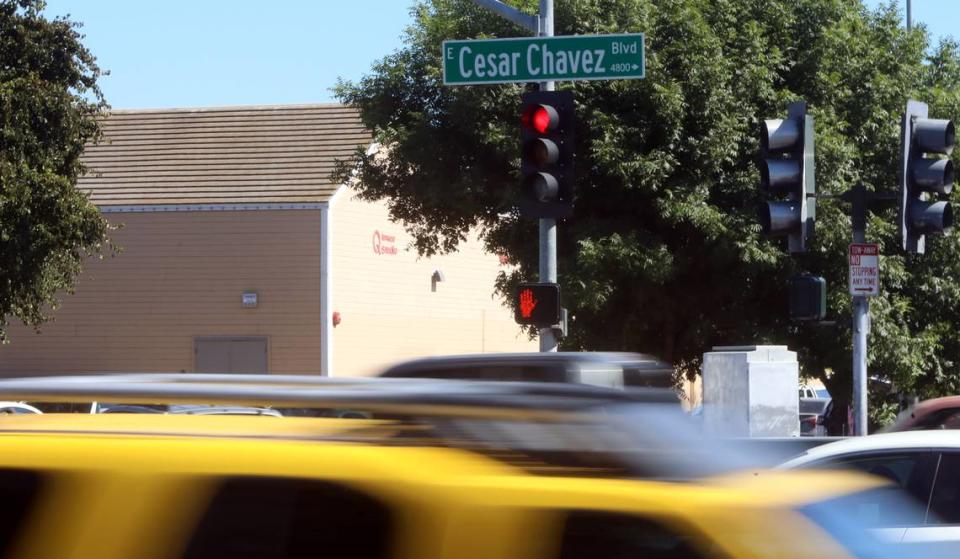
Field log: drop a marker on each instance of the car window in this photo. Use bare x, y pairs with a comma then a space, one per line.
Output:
945, 499
272, 518
525, 373
611, 378
18, 493
590, 534
910, 476
62, 407
942, 419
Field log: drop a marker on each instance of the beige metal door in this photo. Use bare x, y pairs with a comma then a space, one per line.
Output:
230, 355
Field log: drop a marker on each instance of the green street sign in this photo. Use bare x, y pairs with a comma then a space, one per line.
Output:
540, 59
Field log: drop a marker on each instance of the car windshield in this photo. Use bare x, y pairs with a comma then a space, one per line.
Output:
816, 406
852, 520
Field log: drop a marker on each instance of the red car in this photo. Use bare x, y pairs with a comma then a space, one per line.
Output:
939, 413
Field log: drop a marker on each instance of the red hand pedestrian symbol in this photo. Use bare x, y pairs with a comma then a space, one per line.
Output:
527, 303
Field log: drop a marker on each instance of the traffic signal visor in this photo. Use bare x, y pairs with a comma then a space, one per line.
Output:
926, 172
787, 171
781, 171
546, 125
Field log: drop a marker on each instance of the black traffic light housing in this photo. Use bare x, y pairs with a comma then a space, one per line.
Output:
808, 298
546, 162
537, 304
787, 169
922, 177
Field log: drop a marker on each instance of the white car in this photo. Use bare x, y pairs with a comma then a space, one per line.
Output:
924, 464
8, 408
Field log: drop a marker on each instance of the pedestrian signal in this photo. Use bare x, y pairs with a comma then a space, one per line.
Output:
537, 304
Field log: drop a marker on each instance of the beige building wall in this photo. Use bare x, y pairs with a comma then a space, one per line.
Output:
181, 276
389, 307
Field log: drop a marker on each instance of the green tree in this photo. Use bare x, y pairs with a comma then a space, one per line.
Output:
49, 104
664, 253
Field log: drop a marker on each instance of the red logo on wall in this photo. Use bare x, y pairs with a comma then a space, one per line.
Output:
383, 243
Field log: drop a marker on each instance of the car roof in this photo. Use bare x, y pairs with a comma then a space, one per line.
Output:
533, 358
182, 425
904, 440
529, 420
927, 406
429, 396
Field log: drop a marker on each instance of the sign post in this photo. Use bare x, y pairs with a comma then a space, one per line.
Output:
864, 262
543, 59
531, 59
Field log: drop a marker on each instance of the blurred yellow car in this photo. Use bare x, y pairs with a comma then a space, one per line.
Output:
129, 486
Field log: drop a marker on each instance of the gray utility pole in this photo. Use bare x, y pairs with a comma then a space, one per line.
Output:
542, 25
909, 17
548, 227
861, 320
509, 13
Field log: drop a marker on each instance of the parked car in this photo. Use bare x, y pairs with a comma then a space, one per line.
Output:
9, 408
607, 369
938, 413
924, 464
463, 470
812, 414
814, 390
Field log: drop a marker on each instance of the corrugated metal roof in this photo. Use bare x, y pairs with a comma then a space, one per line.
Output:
221, 155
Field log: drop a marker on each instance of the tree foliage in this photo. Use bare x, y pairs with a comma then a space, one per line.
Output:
49, 102
664, 253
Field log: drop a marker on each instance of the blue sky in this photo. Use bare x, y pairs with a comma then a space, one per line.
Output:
204, 53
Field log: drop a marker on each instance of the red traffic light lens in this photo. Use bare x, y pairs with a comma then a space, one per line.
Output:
541, 118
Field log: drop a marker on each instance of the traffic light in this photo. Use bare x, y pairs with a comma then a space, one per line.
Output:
547, 139
788, 170
537, 304
808, 298
922, 177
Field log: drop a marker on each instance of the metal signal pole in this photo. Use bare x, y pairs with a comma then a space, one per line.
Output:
548, 226
542, 25
861, 319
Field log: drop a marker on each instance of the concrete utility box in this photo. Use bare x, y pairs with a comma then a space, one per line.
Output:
751, 391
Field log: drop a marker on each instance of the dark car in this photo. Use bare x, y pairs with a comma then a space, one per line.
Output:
938, 413
609, 369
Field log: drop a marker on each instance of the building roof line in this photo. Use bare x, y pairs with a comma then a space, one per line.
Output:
222, 108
